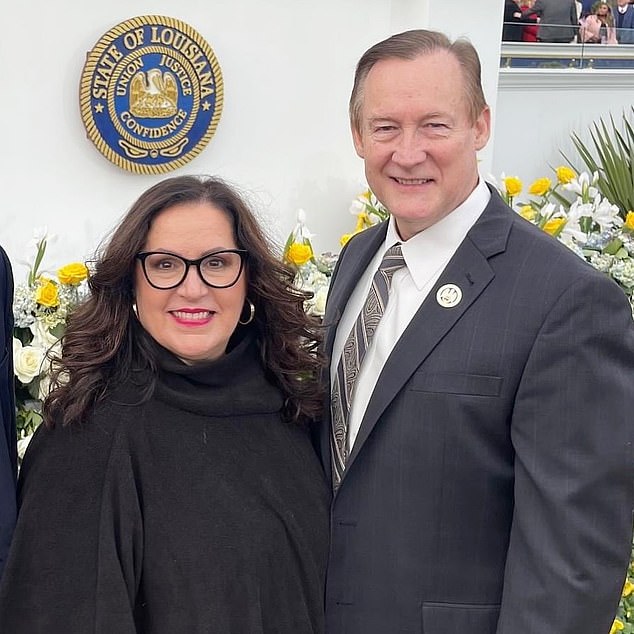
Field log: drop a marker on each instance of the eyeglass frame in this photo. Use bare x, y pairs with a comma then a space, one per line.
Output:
143, 255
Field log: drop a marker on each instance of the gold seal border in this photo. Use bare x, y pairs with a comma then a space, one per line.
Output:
87, 114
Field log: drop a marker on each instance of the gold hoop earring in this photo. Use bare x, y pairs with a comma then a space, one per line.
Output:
251, 314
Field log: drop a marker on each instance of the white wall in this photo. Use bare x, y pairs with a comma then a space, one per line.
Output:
283, 135
538, 112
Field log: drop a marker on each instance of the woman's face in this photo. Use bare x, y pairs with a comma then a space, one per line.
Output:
193, 321
603, 10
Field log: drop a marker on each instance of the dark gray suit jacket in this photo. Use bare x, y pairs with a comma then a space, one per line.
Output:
553, 13
8, 459
490, 487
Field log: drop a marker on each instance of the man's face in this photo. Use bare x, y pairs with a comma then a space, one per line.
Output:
622, 3
417, 138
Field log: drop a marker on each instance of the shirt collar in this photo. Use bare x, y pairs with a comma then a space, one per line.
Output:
433, 247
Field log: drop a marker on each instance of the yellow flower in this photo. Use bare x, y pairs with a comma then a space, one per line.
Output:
299, 254
367, 195
628, 588
617, 626
73, 273
46, 293
363, 222
540, 187
344, 239
513, 185
554, 226
565, 174
629, 220
528, 213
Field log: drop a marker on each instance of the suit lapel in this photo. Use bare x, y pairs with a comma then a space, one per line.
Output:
353, 261
468, 269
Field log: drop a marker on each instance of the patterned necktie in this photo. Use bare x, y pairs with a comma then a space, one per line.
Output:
354, 350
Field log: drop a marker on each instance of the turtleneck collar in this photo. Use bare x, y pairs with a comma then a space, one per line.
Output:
232, 385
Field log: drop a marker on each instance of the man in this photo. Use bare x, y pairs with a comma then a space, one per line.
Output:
483, 476
512, 22
624, 22
8, 458
558, 19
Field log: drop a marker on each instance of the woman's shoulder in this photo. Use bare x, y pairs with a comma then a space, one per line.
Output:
112, 417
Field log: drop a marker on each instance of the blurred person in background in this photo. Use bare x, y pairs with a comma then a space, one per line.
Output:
512, 22
558, 20
598, 27
624, 22
530, 29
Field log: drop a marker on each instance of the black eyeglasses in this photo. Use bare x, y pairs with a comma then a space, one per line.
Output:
220, 269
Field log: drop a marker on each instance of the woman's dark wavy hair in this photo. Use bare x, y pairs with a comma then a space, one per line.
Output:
100, 348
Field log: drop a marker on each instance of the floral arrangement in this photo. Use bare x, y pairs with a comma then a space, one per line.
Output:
41, 306
572, 209
315, 270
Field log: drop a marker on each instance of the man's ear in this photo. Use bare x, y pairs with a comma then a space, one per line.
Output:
483, 128
357, 139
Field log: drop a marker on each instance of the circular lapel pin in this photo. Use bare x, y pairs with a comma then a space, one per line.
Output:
449, 295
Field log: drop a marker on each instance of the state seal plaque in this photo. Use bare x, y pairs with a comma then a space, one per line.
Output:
151, 94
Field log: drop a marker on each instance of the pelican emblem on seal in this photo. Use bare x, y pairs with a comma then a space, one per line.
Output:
153, 95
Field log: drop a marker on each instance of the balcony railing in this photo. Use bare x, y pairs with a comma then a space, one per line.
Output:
574, 55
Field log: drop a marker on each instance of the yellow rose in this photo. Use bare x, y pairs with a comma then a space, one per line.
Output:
617, 626
299, 254
46, 293
540, 187
345, 238
629, 220
73, 273
554, 226
513, 185
565, 174
628, 588
528, 213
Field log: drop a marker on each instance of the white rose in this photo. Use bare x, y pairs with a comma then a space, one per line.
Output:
27, 361
319, 301
42, 336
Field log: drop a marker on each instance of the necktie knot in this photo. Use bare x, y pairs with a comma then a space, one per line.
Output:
392, 261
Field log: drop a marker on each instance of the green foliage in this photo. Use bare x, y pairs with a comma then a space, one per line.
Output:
612, 157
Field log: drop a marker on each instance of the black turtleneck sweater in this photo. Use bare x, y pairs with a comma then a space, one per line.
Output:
198, 511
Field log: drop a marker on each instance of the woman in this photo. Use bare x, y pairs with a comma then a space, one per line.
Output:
598, 27
511, 24
174, 488
531, 25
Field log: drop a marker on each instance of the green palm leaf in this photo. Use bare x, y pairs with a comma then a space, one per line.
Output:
611, 155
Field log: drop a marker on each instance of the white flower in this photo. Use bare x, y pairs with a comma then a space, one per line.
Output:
42, 336
606, 215
319, 301
357, 206
27, 361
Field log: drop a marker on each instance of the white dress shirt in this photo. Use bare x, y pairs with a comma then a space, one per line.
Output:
426, 255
